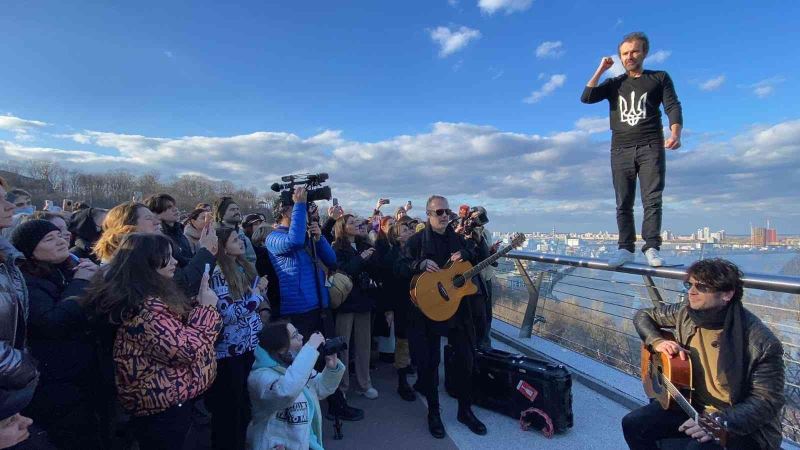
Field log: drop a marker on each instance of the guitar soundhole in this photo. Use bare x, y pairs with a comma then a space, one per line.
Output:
442, 291
459, 281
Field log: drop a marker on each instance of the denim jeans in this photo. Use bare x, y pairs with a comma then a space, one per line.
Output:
648, 163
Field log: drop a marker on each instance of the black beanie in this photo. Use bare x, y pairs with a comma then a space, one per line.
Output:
27, 236
220, 206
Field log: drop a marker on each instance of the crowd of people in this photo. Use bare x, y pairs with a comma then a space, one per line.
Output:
127, 326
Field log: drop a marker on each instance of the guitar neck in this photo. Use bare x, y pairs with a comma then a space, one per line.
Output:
681, 400
486, 262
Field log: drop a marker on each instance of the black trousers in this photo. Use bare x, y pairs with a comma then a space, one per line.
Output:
425, 343
165, 430
229, 402
648, 163
645, 426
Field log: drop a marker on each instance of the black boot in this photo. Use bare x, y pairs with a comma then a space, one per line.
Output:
405, 391
435, 425
466, 417
337, 406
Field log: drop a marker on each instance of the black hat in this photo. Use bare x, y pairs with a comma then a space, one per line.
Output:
251, 219
220, 206
27, 235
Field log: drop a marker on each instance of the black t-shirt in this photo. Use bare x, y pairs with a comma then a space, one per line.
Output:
634, 106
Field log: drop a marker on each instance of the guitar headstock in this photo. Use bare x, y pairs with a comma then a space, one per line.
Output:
714, 426
517, 240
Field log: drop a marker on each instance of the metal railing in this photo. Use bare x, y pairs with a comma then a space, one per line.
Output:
561, 298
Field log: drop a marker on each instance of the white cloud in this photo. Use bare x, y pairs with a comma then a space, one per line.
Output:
496, 73
592, 124
509, 6
11, 123
617, 69
169, 54
713, 83
528, 179
452, 40
550, 49
766, 87
555, 82
658, 57
20, 127
452, 3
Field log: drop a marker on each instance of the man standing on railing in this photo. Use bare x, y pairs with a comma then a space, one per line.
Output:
737, 365
637, 142
432, 248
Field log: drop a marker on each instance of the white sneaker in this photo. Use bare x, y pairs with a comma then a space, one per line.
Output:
370, 393
621, 257
653, 258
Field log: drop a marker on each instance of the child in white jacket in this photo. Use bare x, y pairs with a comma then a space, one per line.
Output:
285, 390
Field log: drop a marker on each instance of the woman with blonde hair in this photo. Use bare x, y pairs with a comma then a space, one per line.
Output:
134, 217
354, 315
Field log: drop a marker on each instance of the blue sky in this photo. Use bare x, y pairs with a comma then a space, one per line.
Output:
410, 98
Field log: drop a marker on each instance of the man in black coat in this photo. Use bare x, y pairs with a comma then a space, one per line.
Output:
737, 365
429, 250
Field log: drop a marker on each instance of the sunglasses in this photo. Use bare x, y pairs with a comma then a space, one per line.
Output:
704, 288
440, 212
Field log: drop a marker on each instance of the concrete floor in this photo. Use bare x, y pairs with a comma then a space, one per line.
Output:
392, 423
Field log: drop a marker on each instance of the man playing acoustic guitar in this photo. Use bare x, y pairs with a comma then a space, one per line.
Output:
430, 250
737, 365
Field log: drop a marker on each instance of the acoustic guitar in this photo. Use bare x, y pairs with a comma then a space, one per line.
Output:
668, 380
439, 294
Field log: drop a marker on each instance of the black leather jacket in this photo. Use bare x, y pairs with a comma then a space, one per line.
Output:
756, 409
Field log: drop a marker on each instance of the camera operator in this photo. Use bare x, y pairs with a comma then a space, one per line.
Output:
304, 298
285, 389
476, 230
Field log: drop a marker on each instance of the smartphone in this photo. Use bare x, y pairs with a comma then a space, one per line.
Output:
208, 268
66, 205
385, 201
335, 201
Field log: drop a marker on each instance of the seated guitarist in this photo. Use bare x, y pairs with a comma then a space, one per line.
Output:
429, 250
737, 365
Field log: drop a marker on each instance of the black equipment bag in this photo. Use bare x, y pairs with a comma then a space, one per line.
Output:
497, 375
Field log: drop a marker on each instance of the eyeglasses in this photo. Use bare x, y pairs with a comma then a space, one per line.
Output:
704, 288
440, 212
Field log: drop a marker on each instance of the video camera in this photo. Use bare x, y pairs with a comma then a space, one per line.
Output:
333, 345
312, 183
476, 217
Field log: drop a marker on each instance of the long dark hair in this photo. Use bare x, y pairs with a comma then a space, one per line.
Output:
238, 279
340, 240
131, 278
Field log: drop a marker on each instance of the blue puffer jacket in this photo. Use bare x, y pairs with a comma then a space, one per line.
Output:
287, 247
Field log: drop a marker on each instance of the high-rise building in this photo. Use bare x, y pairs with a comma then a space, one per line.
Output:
771, 236
758, 236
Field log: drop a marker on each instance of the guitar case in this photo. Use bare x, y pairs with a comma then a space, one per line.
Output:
498, 374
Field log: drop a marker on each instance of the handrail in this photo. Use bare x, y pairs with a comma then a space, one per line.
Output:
775, 283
